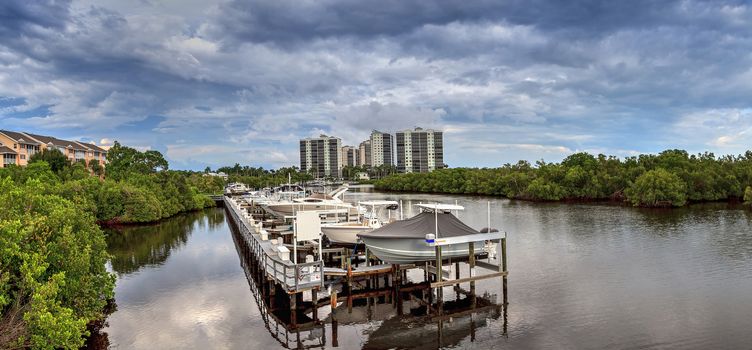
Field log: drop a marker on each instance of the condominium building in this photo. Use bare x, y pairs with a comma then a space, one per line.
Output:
419, 150
382, 148
17, 147
364, 153
321, 157
349, 156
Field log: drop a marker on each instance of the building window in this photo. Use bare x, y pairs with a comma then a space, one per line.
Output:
9, 159
23, 156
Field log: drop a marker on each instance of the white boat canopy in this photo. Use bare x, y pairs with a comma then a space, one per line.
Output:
439, 206
419, 225
378, 203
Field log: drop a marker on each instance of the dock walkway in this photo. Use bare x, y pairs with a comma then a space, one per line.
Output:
294, 278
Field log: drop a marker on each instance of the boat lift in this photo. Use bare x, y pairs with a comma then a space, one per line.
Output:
492, 238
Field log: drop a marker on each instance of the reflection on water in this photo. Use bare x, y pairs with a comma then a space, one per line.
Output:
132, 247
581, 277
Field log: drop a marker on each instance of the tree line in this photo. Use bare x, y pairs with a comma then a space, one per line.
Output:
374, 172
53, 281
258, 177
670, 178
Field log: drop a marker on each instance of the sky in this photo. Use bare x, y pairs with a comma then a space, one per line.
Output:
211, 83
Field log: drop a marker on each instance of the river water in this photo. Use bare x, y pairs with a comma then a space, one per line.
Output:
582, 276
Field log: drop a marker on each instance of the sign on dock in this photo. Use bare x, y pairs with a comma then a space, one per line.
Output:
308, 225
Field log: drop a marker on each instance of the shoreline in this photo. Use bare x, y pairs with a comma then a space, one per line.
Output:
733, 201
114, 224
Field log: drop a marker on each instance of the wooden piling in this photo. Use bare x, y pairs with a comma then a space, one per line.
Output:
293, 309
438, 278
504, 267
504, 254
335, 340
471, 261
315, 303
349, 285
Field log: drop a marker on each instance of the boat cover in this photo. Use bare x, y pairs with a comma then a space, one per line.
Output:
420, 225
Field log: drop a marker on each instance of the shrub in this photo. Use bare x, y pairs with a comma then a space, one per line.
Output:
52, 267
657, 188
540, 189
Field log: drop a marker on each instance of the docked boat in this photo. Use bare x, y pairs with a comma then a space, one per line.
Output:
281, 193
235, 188
405, 242
316, 201
347, 232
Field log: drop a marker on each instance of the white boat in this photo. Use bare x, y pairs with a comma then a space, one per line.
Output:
405, 242
347, 232
285, 192
317, 201
236, 188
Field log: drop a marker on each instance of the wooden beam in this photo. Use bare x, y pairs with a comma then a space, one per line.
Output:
487, 266
432, 270
468, 279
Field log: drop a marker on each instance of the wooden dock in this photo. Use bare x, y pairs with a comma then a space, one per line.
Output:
294, 278
299, 290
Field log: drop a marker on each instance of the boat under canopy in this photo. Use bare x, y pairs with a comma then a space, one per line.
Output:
404, 242
346, 232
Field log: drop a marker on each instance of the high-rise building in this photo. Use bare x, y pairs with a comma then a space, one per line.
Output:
419, 150
382, 148
321, 157
364, 153
349, 156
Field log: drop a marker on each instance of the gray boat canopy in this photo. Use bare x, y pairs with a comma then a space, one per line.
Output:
420, 225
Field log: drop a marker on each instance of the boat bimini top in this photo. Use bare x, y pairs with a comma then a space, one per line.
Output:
424, 223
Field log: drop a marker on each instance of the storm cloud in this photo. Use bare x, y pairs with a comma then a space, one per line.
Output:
219, 82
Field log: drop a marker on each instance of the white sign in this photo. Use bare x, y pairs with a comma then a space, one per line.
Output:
308, 225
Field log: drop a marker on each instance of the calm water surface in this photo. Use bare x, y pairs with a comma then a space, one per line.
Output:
581, 277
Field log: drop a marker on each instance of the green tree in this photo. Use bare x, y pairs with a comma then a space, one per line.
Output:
56, 159
96, 168
52, 268
123, 161
657, 188
584, 176
748, 195
540, 189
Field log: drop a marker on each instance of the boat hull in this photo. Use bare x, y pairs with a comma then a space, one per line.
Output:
413, 250
343, 233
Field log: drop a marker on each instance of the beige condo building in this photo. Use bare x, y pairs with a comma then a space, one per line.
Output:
17, 147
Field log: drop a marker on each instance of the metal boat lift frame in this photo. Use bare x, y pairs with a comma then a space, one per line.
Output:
440, 281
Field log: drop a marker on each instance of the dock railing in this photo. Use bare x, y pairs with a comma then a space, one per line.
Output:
292, 277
